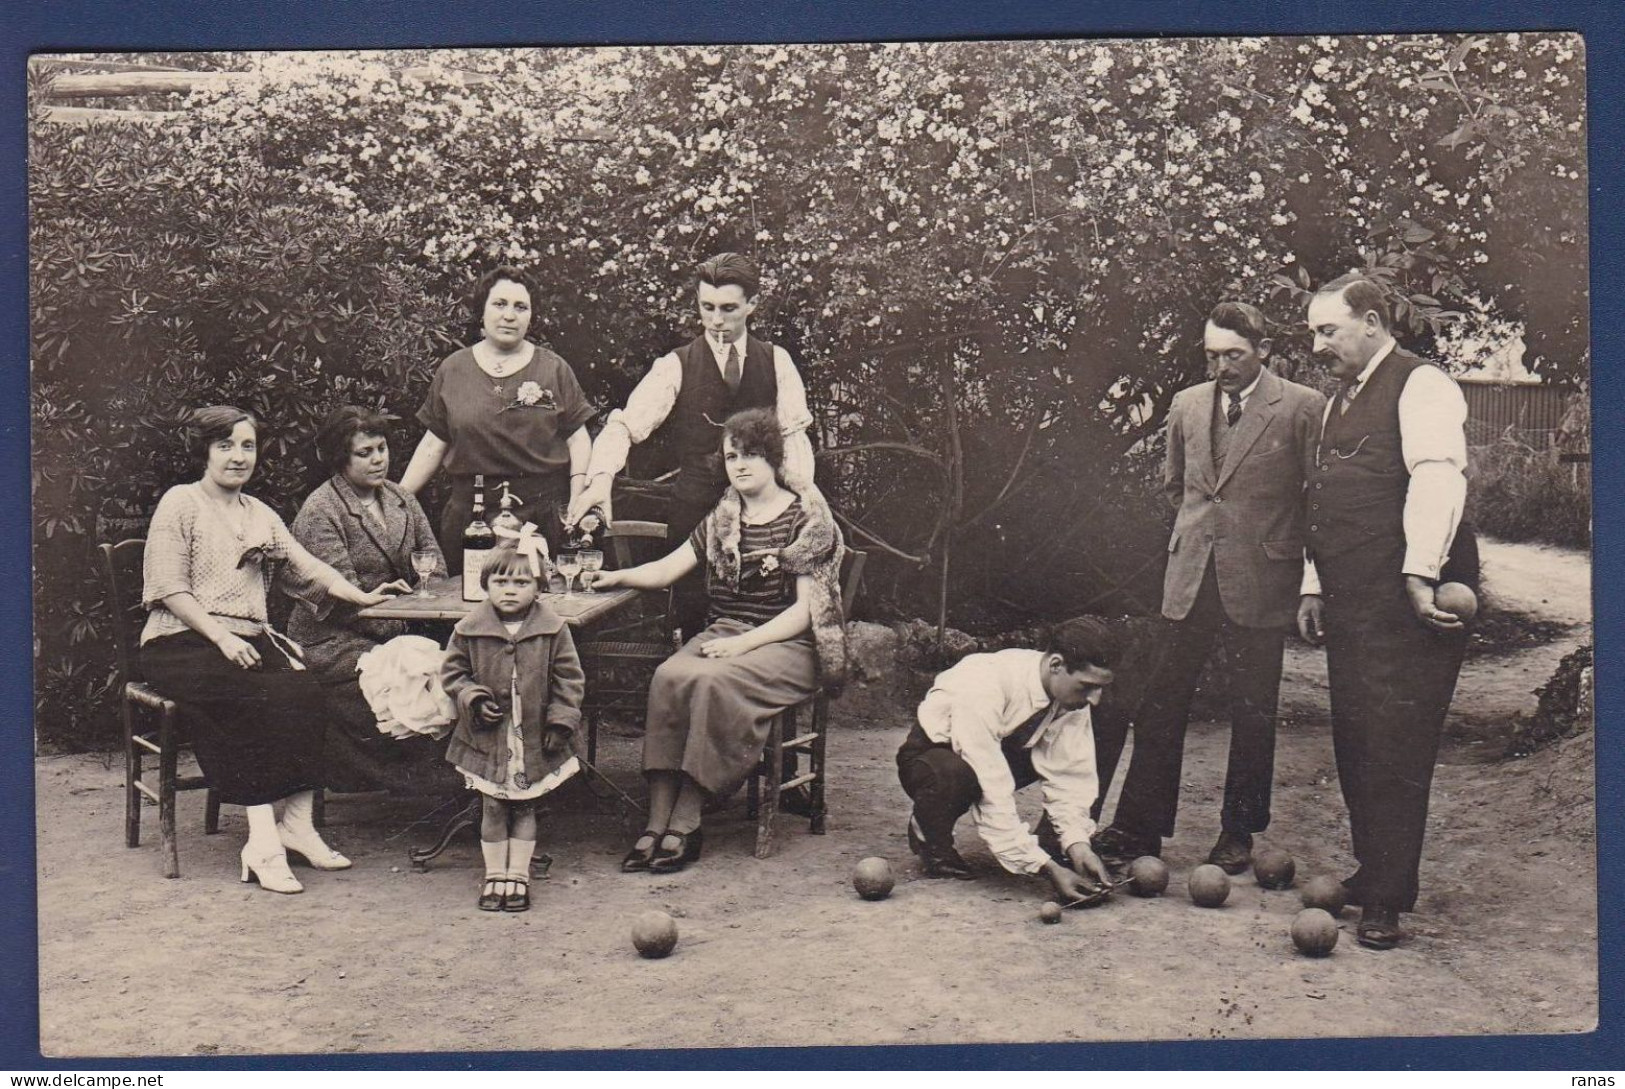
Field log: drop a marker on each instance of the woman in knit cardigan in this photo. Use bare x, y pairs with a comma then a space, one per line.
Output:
772, 561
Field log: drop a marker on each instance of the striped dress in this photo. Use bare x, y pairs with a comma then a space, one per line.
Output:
708, 717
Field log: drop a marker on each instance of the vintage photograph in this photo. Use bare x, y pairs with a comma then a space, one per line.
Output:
799, 545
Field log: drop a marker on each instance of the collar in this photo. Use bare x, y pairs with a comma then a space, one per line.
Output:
1382, 353
353, 502
484, 621
1035, 686
1246, 393
721, 353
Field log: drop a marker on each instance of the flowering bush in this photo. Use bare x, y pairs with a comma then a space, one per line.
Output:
990, 260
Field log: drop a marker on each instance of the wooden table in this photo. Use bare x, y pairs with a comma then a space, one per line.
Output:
445, 602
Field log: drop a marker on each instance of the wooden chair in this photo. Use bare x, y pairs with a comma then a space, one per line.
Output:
778, 767
151, 722
635, 647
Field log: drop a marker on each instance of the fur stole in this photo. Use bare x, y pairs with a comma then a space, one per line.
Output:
816, 550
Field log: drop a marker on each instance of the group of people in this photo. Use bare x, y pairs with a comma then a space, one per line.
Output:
1340, 516
275, 717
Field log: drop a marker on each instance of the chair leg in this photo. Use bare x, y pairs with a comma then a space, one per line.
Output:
775, 777
169, 848
592, 737
820, 726
211, 812
132, 776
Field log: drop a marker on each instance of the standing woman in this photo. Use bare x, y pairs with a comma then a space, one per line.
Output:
256, 722
505, 408
366, 528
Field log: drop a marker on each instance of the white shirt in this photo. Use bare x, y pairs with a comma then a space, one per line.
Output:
1433, 442
651, 402
974, 706
1224, 398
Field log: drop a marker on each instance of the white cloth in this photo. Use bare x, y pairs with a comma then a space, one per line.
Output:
651, 402
973, 707
401, 682
1433, 442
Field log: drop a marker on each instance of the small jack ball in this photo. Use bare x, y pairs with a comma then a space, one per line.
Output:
1274, 868
1050, 912
1314, 932
1148, 876
1209, 886
654, 933
872, 878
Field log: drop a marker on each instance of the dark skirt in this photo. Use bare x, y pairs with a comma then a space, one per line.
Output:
257, 733
537, 496
708, 717
358, 757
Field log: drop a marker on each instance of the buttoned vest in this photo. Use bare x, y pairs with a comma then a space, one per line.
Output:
705, 402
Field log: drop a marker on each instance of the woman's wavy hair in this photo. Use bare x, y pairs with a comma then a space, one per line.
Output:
212, 423
755, 432
343, 424
483, 286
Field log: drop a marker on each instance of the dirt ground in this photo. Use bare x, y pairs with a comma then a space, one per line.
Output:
781, 952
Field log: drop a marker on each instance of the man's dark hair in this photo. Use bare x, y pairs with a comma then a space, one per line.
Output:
342, 425
1084, 641
482, 290
1360, 294
756, 433
211, 424
1243, 319
729, 268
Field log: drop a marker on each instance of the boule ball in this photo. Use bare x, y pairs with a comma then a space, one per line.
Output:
1050, 911
873, 879
1148, 876
1208, 885
1456, 598
654, 933
1314, 932
1274, 868
1326, 893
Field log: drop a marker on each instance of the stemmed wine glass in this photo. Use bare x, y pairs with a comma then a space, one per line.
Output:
424, 562
592, 562
569, 566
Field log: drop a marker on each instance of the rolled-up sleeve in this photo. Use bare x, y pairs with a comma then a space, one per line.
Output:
1065, 762
794, 420
646, 409
974, 736
1433, 441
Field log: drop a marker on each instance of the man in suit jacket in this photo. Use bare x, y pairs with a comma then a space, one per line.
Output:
1385, 500
1239, 448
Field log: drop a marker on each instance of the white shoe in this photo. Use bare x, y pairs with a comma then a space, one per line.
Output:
271, 871
309, 845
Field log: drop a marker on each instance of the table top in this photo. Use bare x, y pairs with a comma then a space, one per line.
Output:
445, 602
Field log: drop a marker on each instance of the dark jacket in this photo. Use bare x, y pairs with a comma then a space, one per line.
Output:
482, 659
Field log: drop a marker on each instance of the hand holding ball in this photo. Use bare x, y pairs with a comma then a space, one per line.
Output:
1458, 599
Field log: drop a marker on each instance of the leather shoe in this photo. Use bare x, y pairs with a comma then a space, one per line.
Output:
638, 858
1379, 928
937, 860
1233, 852
671, 860
1117, 847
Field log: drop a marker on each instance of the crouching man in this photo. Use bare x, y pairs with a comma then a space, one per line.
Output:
995, 723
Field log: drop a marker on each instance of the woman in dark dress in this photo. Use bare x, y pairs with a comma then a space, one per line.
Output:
776, 633
507, 409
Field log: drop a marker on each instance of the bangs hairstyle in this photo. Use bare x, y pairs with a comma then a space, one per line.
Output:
1243, 319
729, 268
207, 426
341, 426
482, 290
1084, 641
1360, 295
506, 560
755, 432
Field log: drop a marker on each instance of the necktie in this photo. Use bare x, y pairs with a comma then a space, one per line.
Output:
1022, 736
1348, 396
1232, 411
730, 371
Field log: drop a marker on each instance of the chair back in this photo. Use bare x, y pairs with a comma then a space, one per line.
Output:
851, 579
121, 565
623, 532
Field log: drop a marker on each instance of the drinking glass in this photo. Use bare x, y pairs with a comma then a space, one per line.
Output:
592, 562
569, 565
424, 562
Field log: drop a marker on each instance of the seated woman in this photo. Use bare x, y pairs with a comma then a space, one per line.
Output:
256, 722
366, 529
776, 633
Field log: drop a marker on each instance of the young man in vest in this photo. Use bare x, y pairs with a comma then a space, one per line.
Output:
691, 391
1239, 448
1385, 500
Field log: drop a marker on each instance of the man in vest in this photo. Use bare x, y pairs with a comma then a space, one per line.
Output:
1239, 448
1385, 500
692, 391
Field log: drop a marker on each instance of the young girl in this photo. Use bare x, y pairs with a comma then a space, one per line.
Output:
513, 670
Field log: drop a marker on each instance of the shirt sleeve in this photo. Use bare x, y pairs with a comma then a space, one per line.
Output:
166, 564
1065, 763
1433, 440
574, 408
646, 409
432, 413
974, 736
